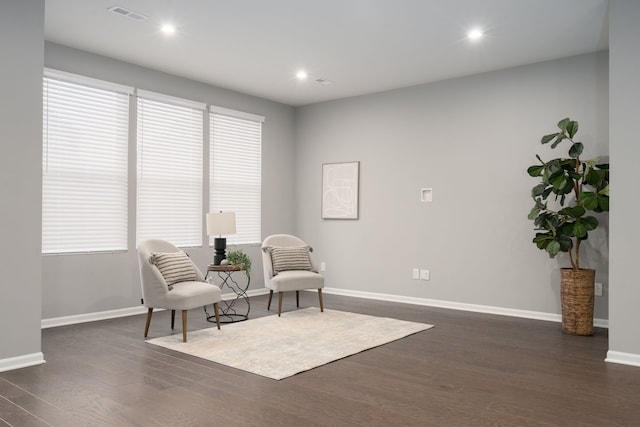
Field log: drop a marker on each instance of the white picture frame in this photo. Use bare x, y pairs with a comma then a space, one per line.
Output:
340, 188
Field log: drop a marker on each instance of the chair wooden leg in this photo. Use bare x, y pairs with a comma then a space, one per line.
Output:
184, 325
173, 318
320, 298
279, 303
270, 296
146, 327
298, 299
215, 310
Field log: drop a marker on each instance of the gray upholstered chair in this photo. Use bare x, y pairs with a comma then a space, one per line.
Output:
289, 266
183, 295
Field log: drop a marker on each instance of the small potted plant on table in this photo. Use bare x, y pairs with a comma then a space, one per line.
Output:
239, 258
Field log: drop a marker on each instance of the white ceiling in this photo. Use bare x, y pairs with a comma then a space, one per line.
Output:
362, 46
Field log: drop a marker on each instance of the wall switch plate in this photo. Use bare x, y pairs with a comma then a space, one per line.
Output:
424, 274
598, 289
416, 273
323, 266
426, 195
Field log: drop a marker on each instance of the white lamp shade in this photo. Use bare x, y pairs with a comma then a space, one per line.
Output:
220, 223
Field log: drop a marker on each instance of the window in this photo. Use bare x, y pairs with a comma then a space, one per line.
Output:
235, 170
84, 164
170, 142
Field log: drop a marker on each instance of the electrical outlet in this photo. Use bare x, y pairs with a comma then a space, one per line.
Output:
598, 289
323, 266
424, 274
416, 273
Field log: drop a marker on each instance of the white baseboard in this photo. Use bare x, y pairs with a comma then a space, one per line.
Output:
121, 312
631, 359
488, 309
131, 311
23, 361
251, 293
92, 317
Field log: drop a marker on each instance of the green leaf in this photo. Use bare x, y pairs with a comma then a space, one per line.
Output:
552, 221
592, 163
554, 166
590, 223
542, 240
566, 230
576, 150
542, 220
579, 229
559, 182
568, 187
557, 141
553, 248
573, 211
604, 191
562, 124
589, 200
575, 175
534, 213
603, 203
572, 128
547, 138
594, 177
538, 190
565, 243
535, 170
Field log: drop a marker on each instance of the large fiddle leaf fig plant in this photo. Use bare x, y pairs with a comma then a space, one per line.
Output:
569, 189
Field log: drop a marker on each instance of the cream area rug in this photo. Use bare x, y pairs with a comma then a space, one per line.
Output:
279, 347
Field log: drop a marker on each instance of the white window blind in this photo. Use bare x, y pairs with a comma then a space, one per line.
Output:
235, 171
84, 164
170, 138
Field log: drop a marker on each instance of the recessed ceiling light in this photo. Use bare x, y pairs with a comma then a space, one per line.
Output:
475, 34
302, 75
168, 29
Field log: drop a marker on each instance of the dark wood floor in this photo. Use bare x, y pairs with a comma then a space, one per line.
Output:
470, 370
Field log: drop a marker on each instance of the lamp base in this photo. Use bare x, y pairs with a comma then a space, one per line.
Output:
220, 246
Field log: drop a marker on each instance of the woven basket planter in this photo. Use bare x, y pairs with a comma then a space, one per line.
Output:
576, 295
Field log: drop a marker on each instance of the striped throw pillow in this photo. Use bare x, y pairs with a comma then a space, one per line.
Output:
175, 267
290, 258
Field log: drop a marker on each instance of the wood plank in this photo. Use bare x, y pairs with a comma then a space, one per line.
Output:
472, 369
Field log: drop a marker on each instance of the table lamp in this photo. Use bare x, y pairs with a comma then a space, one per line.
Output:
219, 223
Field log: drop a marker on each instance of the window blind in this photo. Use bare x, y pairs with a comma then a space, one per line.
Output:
170, 138
235, 171
84, 164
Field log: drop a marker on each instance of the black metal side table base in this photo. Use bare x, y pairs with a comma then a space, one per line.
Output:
227, 310
226, 318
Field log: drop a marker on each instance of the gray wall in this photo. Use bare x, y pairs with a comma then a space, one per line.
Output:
87, 283
471, 139
21, 47
624, 16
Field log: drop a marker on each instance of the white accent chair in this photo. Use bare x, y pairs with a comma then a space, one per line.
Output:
291, 280
183, 295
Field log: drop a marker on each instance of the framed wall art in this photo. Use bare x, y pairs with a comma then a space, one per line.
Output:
340, 185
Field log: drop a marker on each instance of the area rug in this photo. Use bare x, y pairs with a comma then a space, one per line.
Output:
279, 347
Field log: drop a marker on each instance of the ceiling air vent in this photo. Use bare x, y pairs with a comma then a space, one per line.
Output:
122, 11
